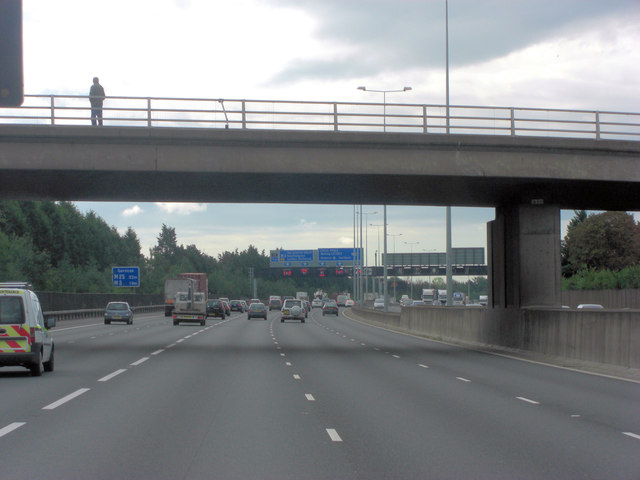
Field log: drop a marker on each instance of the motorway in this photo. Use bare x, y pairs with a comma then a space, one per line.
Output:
330, 398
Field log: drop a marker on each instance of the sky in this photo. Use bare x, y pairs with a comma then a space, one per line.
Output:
573, 54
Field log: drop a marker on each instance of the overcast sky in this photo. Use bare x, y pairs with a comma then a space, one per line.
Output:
574, 54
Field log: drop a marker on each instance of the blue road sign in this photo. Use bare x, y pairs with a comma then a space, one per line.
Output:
337, 254
126, 276
296, 255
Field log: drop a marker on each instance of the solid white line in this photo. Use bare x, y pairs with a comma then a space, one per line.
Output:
10, 428
462, 379
309, 397
138, 362
64, 400
528, 401
106, 378
628, 434
73, 328
158, 352
423, 366
334, 435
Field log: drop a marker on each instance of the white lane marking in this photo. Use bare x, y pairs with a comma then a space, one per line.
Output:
81, 326
309, 397
106, 378
462, 379
180, 341
423, 366
64, 400
376, 349
528, 400
282, 354
188, 336
10, 428
158, 352
296, 376
395, 356
632, 435
92, 338
363, 344
138, 362
288, 364
334, 435
171, 346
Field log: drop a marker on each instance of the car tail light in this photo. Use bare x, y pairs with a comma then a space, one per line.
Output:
32, 334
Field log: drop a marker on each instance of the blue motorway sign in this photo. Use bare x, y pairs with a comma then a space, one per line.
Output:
296, 256
338, 254
126, 276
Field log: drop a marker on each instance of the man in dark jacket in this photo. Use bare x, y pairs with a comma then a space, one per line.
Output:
96, 97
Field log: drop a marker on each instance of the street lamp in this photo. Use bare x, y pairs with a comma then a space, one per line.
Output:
366, 248
384, 100
411, 262
395, 278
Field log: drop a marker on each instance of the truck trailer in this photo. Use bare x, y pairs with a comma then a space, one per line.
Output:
191, 304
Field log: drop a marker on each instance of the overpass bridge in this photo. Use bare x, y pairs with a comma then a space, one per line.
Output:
526, 163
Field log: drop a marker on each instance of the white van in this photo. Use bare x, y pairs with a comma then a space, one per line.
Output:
25, 339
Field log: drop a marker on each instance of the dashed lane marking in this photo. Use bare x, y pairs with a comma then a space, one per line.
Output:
628, 434
528, 400
310, 397
158, 352
462, 379
138, 362
423, 366
10, 428
106, 378
333, 435
66, 399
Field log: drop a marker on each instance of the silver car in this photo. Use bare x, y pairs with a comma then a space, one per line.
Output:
118, 312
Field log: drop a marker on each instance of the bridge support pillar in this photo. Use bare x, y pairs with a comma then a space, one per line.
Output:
524, 257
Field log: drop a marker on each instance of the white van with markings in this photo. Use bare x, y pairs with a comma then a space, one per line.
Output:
25, 339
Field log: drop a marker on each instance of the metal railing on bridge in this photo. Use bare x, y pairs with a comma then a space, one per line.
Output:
330, 116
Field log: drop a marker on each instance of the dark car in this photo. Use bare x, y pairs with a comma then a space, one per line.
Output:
118, 312
236, 306
275, 304
330, 308
216, 309
257, 310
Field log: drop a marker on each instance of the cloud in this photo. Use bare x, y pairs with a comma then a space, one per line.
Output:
181, 208
132, 212
365, 38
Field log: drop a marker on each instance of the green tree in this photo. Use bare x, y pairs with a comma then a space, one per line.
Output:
608, 240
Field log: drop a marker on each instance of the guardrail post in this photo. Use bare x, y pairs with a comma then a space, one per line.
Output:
244, 115
424, 119
335, 117
53, 111
597, 125
513, 122
148, 111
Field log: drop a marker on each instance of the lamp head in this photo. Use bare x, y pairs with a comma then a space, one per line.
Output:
406, 88
362, 88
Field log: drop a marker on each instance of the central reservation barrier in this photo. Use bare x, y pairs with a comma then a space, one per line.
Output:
604, 337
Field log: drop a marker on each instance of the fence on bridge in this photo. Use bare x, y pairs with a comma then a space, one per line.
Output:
336, 116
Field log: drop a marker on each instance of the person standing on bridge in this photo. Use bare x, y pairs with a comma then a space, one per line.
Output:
96, 98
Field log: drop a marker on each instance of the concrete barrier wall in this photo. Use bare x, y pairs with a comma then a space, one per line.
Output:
606, 337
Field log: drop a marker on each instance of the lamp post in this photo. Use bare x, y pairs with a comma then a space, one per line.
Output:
411, 244
384, 100
366, 249
395, 278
